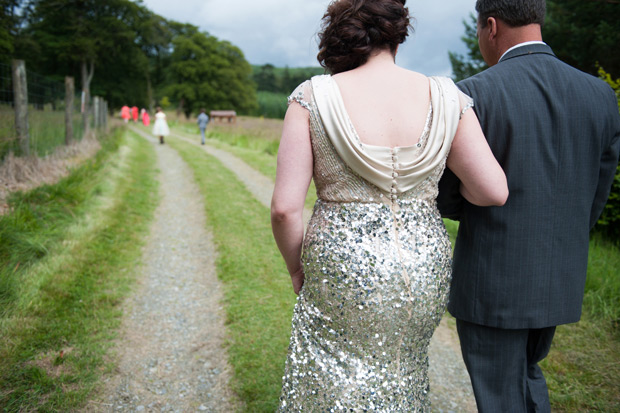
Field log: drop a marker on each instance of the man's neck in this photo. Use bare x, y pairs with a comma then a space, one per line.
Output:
513, 36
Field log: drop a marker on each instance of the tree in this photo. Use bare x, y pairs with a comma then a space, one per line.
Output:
265, 78
82, 33
609, 222
580, 32
9, 22
207, 72
584, 32
466, 66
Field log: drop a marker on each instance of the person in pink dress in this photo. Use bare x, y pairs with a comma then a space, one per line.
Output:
146, 119
134, 113
125, 113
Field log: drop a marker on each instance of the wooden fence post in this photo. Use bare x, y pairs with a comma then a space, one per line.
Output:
105, 115
69, 96
96, 114
20, 99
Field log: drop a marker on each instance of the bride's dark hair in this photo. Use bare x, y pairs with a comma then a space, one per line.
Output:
353, 29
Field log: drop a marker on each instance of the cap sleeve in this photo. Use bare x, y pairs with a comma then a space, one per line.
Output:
301, 95
465, 102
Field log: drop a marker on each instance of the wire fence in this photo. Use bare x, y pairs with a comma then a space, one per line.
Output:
46, 114
6, 85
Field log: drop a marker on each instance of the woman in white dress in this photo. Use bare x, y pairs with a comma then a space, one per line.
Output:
160, 128
373, 272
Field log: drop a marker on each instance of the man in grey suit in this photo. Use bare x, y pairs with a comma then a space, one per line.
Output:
519, 270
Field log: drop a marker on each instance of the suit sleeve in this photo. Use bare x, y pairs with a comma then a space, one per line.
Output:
450, 201
608, 168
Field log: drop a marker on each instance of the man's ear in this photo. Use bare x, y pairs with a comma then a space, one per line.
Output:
491, 29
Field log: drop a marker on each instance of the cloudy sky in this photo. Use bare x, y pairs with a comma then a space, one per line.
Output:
283, 32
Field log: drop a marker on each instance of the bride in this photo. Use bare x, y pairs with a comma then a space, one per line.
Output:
373, 271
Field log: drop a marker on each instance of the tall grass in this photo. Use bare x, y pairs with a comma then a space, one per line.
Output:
67, 255
602, 297
46, 129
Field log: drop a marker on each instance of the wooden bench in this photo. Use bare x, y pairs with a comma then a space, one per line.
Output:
231, 115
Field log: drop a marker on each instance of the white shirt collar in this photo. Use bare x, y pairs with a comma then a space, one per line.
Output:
521, 44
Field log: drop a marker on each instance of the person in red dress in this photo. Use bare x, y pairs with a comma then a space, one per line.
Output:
125, 113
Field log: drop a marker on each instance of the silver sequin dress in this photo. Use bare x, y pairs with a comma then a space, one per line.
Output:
377, 276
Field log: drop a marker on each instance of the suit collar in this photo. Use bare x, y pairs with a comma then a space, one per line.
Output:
528, 49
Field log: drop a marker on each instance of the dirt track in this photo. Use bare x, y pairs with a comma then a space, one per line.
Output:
171, 348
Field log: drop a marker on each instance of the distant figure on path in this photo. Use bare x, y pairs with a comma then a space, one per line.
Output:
125, 115
134, 113
203, 120
161, 126
520, 270
146, 119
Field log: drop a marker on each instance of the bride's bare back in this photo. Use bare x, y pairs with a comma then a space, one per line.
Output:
388, 105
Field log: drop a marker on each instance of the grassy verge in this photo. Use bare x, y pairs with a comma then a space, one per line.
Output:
68, 252
258, 296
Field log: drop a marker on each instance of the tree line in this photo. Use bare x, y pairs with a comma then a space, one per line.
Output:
122, 51
583, 33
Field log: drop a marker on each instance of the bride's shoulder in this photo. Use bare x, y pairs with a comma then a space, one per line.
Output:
302, 94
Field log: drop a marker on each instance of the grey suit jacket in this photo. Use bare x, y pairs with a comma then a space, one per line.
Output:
556, 132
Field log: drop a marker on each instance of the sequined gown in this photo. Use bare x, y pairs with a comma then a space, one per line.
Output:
377, 275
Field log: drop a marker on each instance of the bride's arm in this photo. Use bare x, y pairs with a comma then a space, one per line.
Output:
483, 181
293, 175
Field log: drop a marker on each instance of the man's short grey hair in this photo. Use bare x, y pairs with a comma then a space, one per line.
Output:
515, 13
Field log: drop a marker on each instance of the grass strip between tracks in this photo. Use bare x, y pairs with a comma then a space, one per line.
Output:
258, 296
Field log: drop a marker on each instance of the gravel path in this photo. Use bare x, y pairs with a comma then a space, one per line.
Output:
450, 385
171, 351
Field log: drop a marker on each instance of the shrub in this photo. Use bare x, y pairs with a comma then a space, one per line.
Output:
609, 222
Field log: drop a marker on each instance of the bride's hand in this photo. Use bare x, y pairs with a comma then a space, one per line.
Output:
297, 278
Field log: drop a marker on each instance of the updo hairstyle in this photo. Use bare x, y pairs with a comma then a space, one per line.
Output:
353, 29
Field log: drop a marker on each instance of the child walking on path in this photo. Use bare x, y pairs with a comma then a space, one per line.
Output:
161, 126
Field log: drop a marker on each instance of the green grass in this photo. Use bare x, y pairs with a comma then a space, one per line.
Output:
583, 367
258, 296
68, 254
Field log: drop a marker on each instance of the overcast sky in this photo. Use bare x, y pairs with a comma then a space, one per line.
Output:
283, 32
